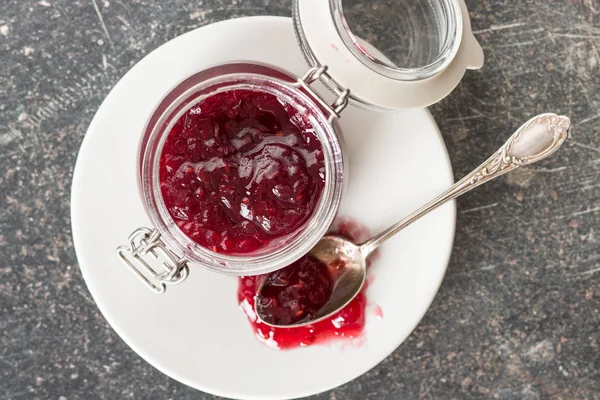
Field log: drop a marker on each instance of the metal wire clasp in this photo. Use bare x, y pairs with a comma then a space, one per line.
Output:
321, 73
162, 269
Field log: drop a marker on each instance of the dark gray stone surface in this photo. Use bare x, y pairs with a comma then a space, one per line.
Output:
517, 316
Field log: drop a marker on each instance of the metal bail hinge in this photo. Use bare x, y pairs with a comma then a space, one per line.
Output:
321, 73
161, 269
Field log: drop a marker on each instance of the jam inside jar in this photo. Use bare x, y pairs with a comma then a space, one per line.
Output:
242, 168
241, 171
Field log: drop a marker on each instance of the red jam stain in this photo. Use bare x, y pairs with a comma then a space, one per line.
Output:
241, 172
347, 323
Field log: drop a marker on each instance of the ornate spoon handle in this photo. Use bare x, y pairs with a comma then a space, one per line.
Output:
536, 139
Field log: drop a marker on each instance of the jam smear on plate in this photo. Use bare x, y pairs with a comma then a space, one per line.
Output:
241, 171
348, 323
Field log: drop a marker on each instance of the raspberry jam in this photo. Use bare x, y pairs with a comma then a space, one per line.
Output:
294, 294
241, 172
347, 323
312, 276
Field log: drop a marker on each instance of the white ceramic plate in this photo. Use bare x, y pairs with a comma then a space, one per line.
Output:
195, 332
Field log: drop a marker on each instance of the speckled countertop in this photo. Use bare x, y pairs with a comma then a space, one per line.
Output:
517, 316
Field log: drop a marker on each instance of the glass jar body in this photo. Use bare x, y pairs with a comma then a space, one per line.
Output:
252, 77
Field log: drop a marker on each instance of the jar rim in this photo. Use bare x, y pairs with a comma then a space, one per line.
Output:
298, 243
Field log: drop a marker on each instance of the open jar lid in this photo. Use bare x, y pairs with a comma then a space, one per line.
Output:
432, 46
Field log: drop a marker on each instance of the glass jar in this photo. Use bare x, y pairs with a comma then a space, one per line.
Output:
257, 78
161, 256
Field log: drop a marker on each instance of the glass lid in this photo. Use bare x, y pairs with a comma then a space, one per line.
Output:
393, 54
405, 39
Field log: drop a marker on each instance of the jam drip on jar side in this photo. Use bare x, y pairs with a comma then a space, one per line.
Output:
241, 171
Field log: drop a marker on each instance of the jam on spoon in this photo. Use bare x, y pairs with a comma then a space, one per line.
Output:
346, 324
241, 171
295, 293
302, 286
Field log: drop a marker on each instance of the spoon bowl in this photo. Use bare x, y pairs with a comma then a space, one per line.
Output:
346, 261
347, 266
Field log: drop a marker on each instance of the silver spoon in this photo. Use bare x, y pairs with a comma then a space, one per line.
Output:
535, 140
